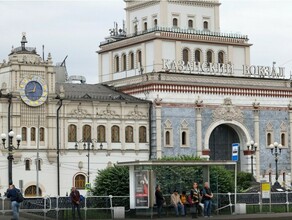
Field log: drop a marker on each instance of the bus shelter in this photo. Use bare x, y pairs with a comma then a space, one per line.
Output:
143, 179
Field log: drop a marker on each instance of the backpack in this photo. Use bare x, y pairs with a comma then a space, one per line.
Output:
19, 196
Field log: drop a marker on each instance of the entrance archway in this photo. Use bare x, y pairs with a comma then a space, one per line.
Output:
220, 142
241, 133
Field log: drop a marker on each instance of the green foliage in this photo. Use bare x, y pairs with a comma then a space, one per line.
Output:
243, 181
182, 177
222, 179
112, 181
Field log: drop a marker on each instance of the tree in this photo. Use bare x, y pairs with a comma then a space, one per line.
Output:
113, 181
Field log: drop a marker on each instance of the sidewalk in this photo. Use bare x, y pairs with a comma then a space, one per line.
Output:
281, 216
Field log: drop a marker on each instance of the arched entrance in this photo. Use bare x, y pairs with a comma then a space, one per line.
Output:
225, 133
220, 142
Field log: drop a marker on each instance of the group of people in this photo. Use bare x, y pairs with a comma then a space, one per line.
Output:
194, 199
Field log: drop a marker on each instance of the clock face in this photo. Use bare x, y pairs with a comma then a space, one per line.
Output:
33, 91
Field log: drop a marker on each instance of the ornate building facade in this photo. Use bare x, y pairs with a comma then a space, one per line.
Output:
206, 94
69, 130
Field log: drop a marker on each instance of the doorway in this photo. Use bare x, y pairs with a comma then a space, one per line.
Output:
220, 143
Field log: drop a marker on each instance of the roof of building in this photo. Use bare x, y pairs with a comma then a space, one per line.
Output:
94, 92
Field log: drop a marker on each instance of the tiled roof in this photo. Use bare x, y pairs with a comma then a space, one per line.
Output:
94, 92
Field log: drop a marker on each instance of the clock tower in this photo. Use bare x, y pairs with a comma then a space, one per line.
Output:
27, 100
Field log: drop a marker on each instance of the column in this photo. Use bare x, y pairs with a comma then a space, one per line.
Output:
199, 130
158, 132
257, 140
290, 135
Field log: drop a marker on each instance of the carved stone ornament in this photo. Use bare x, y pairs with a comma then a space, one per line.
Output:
108, 113
227, 112
290, 105
136, 114
199, 102
79, 113
158, 100
256, 104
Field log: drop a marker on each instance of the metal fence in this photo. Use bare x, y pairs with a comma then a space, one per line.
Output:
102, 207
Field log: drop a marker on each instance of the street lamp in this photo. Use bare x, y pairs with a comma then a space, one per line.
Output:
10, 148
88, 145
252, 149
276, 149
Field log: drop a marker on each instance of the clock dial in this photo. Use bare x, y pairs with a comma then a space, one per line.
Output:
33, 91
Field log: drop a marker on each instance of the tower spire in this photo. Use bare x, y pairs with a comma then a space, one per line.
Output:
23, 41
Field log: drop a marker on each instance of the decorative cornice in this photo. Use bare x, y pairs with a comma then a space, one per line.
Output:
210, 90
175, 35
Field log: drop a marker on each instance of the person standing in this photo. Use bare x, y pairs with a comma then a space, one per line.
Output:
12, 193
207, 197
177, 204
75, 200
195, 196
159, 200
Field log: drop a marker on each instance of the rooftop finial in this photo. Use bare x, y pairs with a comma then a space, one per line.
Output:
23, 41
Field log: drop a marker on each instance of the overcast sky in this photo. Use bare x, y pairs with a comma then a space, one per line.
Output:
75, 28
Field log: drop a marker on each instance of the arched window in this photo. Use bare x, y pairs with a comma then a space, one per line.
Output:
206, 25
167, 138
209, 57
86, 132
131, 59
115, 134
198, 56
129, 134
42, 134
221, 57
72, 133
269, 139
283, 139
24, 134
32, 191
155, 22
139, 57
79, 181
38, 164
184, 138
145, 26
185, 56
117, 64
101, 133
27, 164
191, 23
174, 22
124, 62
142, 134
32, 134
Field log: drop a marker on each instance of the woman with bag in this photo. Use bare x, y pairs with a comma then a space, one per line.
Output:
194, 200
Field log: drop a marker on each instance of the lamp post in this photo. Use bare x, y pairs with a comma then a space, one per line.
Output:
88, 145
252, 149
10, 148
276, 149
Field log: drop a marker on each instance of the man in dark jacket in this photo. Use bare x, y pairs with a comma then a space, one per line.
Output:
159, 200
12, 194
75, 199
